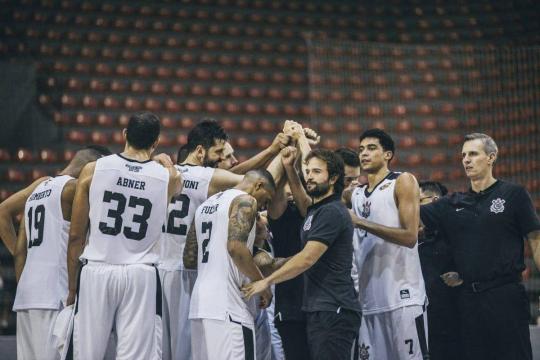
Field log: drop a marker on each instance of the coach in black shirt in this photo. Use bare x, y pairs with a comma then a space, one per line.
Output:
486, 228
330, 303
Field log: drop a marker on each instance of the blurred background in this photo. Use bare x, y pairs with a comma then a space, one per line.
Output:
428, 72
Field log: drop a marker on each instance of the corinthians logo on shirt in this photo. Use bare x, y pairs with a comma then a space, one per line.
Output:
366, 209
307, 224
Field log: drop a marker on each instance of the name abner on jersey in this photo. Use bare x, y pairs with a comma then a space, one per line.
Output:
130, 183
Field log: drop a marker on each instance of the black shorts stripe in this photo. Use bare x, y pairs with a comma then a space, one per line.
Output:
69, 355
159, 299
249, 348
421, 331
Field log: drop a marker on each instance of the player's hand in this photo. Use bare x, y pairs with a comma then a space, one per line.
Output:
265, 299
163, 159
312, 137
288, 156
293, 129
280, 141
452, 279
71, 298
356, 220
254, 288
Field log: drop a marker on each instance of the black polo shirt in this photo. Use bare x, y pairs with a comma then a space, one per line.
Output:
485, 230
286, 242
328, 283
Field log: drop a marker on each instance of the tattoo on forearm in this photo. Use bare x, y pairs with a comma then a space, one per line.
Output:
191, 248
242, 218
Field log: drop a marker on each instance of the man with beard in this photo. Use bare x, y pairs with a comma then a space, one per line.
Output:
205, 150
330, 303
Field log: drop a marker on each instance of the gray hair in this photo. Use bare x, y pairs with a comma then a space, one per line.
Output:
490, 147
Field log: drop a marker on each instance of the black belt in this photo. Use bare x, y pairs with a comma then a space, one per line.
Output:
480, 286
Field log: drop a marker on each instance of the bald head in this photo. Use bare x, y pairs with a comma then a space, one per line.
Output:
261, 175
85, 156
261, 185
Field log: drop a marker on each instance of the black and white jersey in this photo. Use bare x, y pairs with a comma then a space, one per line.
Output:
180, 215
128, 202
44, 283
217, 294
390, 276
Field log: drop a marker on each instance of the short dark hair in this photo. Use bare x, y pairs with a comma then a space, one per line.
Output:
98, 150
385, 140
264, 174
334, 164
205, 133
142, 130
349, 156
182, 154
434, 187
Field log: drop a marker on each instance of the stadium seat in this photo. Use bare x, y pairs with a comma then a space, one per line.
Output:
24, 156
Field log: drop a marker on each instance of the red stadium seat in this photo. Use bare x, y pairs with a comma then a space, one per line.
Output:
77, 136
83, 119
15, 175
24, 155
105, 120
99, 137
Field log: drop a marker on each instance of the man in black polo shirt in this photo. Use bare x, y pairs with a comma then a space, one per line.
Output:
330, 303
486, 227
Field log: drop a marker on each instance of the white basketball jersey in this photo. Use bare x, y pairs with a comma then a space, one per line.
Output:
217, 294
180, 214
44, 283
390, 276
128, 202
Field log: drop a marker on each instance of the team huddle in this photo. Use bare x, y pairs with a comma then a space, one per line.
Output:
182, 261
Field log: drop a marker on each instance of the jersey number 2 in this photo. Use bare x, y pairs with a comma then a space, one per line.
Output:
36, 220
206, 227
178, 214
116, 214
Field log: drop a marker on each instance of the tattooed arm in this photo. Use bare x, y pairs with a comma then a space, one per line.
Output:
242, 216
191, 248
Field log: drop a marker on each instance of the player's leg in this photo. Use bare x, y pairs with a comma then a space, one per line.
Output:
166, 294
409, 333
181, 329
138, 318
94, 310
25, 347
262, 336
241, 341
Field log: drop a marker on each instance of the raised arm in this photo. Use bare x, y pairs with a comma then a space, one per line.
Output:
9, 209
407, 199
261, 159
191, 249
223, 180
79, 227
301, 198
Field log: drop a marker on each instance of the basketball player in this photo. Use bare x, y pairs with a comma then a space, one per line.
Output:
392, 294
220, 246
14, 206
40, 255
205, 147
126, 196
352, 166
